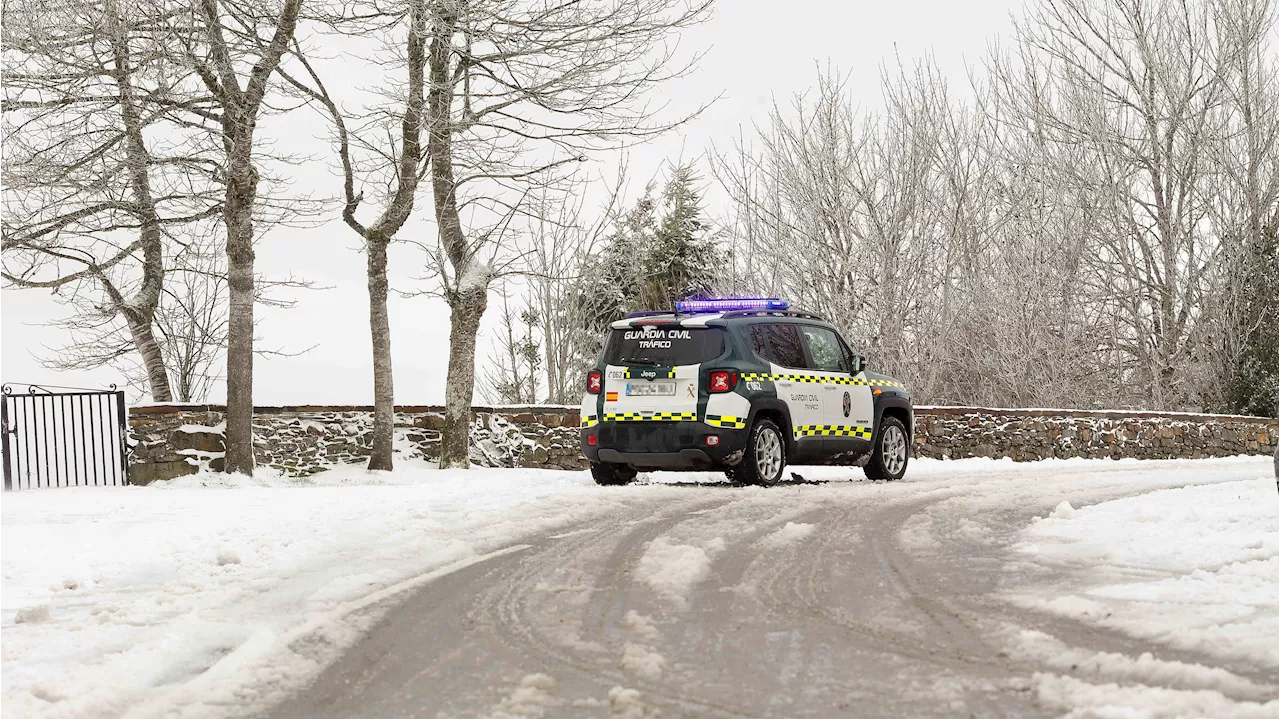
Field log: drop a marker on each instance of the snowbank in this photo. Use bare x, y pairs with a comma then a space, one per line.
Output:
1193, 568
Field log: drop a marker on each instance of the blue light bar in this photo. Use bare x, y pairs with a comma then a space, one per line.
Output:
732, 303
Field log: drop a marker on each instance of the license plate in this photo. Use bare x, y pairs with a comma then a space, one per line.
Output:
651, 389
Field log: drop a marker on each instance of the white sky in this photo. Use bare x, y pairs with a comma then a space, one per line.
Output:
756, 51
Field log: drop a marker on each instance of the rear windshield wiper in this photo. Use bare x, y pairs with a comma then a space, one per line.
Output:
641, 360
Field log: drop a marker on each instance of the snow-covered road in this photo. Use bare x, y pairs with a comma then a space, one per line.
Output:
518, 593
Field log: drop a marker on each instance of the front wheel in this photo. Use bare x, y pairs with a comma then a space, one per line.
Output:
889, 458
612, 474
765, 457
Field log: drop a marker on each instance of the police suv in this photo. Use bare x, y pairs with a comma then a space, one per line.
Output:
743, 385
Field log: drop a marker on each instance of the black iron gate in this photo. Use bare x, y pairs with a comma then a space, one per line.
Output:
64, 439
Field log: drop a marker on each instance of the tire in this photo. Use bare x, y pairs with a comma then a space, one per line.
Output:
765, 456
612, 474
891, 453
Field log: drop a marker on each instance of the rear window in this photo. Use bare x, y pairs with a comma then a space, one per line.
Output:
780, 344
664, 346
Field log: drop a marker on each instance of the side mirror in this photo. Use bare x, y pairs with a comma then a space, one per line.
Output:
859, 363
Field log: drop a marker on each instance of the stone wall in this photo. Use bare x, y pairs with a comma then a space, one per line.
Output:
1031, 434
173, 440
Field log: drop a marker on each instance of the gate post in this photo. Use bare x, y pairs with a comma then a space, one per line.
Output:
4, 428
123, 420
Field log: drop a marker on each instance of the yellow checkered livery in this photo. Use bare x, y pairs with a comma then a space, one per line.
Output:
668, 373
589, 421
819, 379
654, 417
832, 430
724, 420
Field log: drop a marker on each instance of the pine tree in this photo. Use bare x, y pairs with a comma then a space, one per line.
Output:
1254, 382
660, 251
681, 256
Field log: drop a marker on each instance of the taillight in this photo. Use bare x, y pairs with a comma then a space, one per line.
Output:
722, 381
593, 381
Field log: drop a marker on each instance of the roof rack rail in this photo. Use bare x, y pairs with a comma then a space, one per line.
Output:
772, 313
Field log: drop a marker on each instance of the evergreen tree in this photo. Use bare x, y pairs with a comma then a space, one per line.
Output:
680, 257
1253, 383
660, 251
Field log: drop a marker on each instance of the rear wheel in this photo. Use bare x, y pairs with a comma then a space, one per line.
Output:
612, 474
889, 458
765, 457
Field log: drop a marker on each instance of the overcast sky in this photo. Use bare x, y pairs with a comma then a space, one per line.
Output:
755, 52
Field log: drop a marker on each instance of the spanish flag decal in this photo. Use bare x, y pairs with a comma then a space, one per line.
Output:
611, 396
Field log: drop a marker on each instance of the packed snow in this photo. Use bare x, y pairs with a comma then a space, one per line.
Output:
790, 533
1081, 699
529, 700
642, 661
1143, 669
674, 569
641, 624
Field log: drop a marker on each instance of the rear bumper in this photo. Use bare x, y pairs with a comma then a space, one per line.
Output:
664, 445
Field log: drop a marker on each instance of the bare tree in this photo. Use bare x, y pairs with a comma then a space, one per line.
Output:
518, 94
512, 376
397, 165
835, 211
192, 322
1089, 227
255, 39
189, 325
565, 241
104, 156
1134, 88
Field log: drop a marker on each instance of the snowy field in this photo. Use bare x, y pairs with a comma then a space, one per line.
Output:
181, 599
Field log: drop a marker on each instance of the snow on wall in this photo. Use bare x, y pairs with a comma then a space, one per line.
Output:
305, 439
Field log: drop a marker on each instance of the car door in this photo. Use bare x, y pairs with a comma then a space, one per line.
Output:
781, 345
847, 408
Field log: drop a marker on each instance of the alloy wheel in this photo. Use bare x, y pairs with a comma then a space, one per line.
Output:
893, 449
768, 454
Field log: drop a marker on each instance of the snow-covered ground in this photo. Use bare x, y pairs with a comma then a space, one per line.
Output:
115, 599
138, 601
1192, 568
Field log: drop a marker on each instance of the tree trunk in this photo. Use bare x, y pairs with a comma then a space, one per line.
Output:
142, 309
242, 188
467, 302
144, 339
383, 393
239, 121
464, 323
